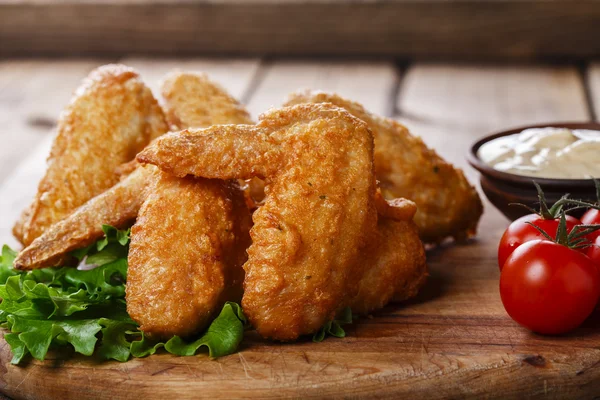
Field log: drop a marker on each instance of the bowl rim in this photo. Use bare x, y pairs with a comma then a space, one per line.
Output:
521, 180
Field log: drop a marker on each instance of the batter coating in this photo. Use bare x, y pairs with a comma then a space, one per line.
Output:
191, 100
118, 207
183, 261
189, 242
394, 259
405, 167
319, 210
112, 116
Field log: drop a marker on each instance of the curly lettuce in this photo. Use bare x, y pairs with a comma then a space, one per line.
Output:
334, 327
85, 309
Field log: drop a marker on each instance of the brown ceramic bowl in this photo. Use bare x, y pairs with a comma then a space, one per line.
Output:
503, 188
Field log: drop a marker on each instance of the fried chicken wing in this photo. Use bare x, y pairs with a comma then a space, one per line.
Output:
112, 116
18, 229
193, 101
394, 259
317, 161
182, 258
186, 96
207, 221
447, 204
118, 207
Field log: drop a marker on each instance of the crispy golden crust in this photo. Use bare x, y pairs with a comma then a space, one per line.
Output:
112, 116
18, 228
223, 152
447, 204
181, 259
318, 213
207, 222
118, 207
193, 101
394, 259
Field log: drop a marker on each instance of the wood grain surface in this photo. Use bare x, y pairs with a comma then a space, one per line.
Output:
32, 95
451, 105
372, 84
401, 28
593, 77
453, 341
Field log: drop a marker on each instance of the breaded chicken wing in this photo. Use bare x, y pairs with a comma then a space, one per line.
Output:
183, 261
19, 227
191, 100
319, 211
186, 96
118, 207
112, 116
207, 222
447, 204
394, 259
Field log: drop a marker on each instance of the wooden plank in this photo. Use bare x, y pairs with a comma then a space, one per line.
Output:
451, 105
593, 81
234, 75
424, 28
371, 83
32, 94
18, 190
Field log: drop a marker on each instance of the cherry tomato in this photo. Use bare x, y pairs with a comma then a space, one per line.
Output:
593, 252
519, 232
592, 217
549, 288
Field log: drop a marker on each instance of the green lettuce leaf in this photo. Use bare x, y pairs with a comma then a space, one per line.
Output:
113, 246
222, 337
37, 335
6, 263
85, 309
334, 327
101, 283
115, 343
17, 346
67, 306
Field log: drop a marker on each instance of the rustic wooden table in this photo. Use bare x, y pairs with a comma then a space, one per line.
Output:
467, 29
454, 340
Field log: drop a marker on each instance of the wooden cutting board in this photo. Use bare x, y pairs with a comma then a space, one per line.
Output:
453, 341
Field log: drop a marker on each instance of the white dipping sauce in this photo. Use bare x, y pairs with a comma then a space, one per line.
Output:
546, 153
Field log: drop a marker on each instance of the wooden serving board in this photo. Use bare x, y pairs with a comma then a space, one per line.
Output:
453, 341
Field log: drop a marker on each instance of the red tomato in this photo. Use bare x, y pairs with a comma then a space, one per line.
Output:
519, 232
592, 217
549, 288
593, 252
